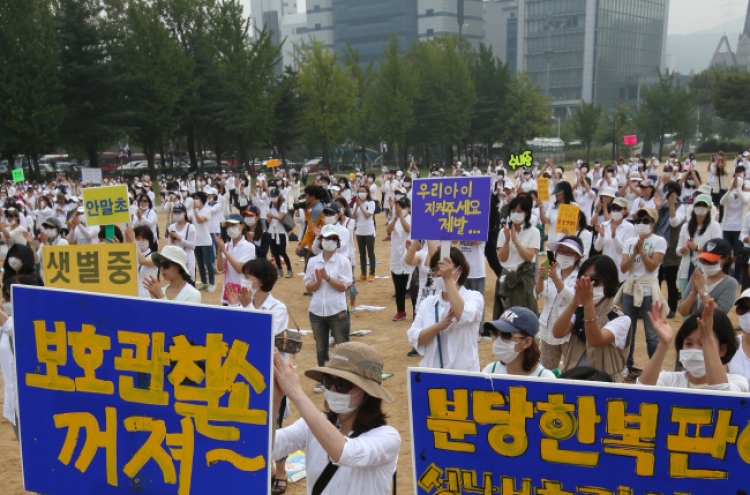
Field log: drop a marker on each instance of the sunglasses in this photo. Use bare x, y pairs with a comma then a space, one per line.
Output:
342, 386
644, 221
166, 265
741, 309
506, 336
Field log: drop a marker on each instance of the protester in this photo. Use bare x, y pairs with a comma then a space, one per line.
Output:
363, 213
514, 345
693, 237
20, 261
146, 215
613, 233
203, 243
599, 332
49, 236
646, 200
233, 256
172, 264
255, 232
711, 281
182, 234
446, 326
740, 363
563, 194
146, 245
399, 230
277, 210
351, 437
735, 203
704, 343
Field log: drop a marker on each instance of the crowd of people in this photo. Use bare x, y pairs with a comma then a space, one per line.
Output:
641, 225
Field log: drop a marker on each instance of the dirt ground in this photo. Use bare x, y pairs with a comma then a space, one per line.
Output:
388, 337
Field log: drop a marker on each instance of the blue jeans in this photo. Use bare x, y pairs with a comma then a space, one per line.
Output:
203, 260
323, 326
214, 247
652, 339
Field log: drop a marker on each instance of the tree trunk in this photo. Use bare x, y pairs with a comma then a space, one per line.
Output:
93, 156
364, 157
161, 155
191, 146
588, 152
326, 158
200, 154
150, 154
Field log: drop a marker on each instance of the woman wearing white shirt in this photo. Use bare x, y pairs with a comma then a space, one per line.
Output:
79, 232
203, 243
233, 255
694, 235
740, 363
172, 264
327, 276
363, 213
601, 212
399, 229
647, 190
556, 287
614, 232
145, 246
145, 214
704, 343
276, 212
182, 234
735, 202
608, 179
446, 327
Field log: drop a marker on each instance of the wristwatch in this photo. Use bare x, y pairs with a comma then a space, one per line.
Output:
704, 294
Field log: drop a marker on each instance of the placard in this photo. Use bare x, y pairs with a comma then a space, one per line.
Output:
91, 175
567, 219
525, 159
106, 205
542, 188
103, 268
18, 175
505, 434
630, 140
272, 163
134, 396
447, 209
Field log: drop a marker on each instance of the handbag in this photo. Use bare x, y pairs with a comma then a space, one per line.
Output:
289, 341
288, 222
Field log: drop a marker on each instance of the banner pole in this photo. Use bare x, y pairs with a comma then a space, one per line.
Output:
445, 249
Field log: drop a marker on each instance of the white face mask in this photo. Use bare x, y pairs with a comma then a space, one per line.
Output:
247, 284
616, 216
438, 284
362, 196
142, 245
598, 295
50, 233
643, 229
8, 308
15, 263
517, 217
178, 217
745, 322
234, 232
329, 246
339, 403
700, 211
565, 261
251, 221
710, 270
505, 351
144, 208
330, 220
370, 180
692, 360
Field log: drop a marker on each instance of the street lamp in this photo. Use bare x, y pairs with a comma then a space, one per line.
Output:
558, 125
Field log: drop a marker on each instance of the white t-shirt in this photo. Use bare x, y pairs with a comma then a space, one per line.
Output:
740, 363
585, 200
243, 251
712, 232
652, 244
399, 236
613, 246
528, 238
678, 379
498, 368
202, 233
474, 255
365, 226
639, 204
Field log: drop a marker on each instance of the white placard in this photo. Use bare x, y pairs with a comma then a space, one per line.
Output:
91, 175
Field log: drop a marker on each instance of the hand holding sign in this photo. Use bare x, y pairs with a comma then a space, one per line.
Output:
567, 219
18, 175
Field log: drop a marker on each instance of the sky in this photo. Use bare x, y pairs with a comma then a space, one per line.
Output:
689, 16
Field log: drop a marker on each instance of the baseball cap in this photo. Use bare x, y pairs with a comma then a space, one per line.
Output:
650, 212
404, 201
646, 183
274, 193
714, 249
233, 218
329, 230
333, 206
635, 176
515, 319
179, 208
622, 202
703, 198
53, 222
251, 211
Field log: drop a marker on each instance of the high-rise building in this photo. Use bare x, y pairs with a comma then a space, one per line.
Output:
501, 30
588, 50
439, 17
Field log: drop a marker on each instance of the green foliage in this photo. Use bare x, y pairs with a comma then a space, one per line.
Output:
614, 126
529, 112
585, 123
362, 125
732, 96
289, 107
492, 82
712, 145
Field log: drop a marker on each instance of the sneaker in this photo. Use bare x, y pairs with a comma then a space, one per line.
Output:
399, 316
220, 272
211, 288
200, 285
289, 273
363, 277
281, 273
351, 309
318, 388
371, 277
670, 315
413, 352
387, 238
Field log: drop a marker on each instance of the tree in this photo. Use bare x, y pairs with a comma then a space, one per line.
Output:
362, 116
732, 96
529, 111
329, 95
289, 107
614, 126
392, 97
666, 108
585, 123
159, 82
492, 80
29, 85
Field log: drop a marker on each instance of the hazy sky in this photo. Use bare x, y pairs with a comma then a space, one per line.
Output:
688, 16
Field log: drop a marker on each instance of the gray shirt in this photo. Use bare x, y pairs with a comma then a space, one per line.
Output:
724, 293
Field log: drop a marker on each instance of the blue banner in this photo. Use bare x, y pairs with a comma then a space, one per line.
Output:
451, 209
122, 395
475, 433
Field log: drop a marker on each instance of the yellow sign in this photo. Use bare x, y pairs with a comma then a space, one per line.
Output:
104, 268
106, 205
567, 219
542, 189
272, 163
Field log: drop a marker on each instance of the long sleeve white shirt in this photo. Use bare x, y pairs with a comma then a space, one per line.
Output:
327, 301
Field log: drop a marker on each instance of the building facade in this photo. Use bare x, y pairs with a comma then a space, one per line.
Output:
441, 17
501, 30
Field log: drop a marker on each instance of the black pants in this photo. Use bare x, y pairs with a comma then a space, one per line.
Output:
716, 199
400, 283
669, 273
366, 244
490, 252
279, 251
233, 198
742, 264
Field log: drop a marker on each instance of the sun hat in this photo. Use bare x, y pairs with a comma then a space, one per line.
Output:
704, 189
358, 363
174, 254
329, 230
714, 249
622, 202
53, 222
608, 191
650, 212
515, 319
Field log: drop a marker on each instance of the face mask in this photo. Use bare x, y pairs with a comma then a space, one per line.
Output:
527, 176
342, 185
565, 261
8, 308
247, 284
142, 245
178, 217
643, 229
505, 351
517, 218
710, 270
50, 233
745, 322
700, 211
690, 183
144, 208
598, 295
330, 220
438, 284
15, 263
329, 246
362, 196
183, 194
692, 360
370, 180
338, 402
234, 232
251, 221
616, 216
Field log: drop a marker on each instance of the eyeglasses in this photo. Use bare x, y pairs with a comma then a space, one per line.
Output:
615, 208
166, 265
506, 336
342, 386
644, 221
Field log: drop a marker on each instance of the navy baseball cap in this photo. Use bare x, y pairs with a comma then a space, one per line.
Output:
179, 208
515, 319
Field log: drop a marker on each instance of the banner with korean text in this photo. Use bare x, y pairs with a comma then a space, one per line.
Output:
450, 209
105, 268
106, 205
477, 433
121, 395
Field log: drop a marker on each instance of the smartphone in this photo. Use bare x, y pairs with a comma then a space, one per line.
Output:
551, 256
